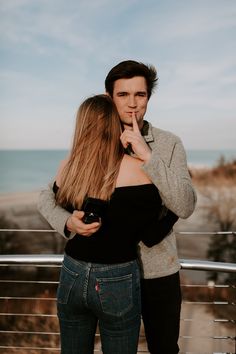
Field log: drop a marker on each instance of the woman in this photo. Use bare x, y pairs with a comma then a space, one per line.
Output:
100, 280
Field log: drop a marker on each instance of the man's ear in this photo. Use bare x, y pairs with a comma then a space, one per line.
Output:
107, 93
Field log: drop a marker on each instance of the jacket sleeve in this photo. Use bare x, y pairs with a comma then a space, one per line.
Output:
156, 231
169, 172
53, 213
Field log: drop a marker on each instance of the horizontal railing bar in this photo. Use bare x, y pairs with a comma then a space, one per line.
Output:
186, 264
27, 298
48, 333
26, 314
31, 258
58, 333
184, 301
28, 348
29, 281
31, 265
55, 348
58, 349
208, 321
54, 299
31, 332
182, 320
26, 230
195, 264
44, 333
95, 350
208, 303
206, 352
208, 286
32, 282
205, 232
54, 315
5, 281
176, 232
209, 337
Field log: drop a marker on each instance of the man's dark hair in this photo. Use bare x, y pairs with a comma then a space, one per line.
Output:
128, 69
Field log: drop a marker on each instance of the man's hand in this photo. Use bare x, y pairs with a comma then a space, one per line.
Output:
135, 139
75, 224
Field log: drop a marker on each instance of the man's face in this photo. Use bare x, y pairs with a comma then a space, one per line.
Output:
130, 95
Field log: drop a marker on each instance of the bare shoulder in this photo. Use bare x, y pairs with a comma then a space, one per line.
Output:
131, 172
60, 171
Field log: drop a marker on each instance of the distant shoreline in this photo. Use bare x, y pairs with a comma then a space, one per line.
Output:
32, 170
27, 196
18, 199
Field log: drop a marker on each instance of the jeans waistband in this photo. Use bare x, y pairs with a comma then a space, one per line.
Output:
97, 266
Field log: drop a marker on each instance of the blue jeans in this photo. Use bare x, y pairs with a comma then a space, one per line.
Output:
90, 293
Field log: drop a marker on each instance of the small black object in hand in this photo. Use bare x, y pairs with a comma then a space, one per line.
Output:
94, 209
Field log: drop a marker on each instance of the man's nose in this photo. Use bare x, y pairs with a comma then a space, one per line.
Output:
132, 101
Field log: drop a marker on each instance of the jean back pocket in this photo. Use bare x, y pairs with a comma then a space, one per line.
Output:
67, 280
116, 294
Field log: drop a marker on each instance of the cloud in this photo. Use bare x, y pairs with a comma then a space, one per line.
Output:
72, 24
54, 53
196, 100
183, 19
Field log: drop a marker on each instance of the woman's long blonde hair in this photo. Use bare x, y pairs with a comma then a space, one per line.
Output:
96, 153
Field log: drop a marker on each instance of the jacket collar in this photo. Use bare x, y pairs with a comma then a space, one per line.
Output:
147, 131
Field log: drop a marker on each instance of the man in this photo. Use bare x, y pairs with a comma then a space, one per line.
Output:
130, 84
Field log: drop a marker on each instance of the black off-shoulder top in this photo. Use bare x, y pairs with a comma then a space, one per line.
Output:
132, 215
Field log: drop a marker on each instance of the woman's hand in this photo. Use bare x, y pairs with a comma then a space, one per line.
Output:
76, 225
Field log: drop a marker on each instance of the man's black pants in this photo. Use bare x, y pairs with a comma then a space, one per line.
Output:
161, 305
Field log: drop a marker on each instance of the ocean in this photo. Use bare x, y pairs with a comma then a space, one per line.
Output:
31, 170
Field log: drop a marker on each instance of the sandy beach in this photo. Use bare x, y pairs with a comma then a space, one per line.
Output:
10, 200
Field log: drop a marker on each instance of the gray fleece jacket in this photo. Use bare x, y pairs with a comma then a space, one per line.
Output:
168, 170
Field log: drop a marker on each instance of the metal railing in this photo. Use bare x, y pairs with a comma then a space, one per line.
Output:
28, 321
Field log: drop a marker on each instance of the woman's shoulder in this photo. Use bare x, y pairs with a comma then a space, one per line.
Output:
130, 162
131, 172
61, 167
128, 159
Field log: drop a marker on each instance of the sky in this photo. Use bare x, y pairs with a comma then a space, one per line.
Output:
55, 53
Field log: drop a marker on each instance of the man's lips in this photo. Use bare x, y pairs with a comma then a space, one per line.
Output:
130, 113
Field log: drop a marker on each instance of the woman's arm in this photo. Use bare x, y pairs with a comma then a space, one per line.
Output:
156, 231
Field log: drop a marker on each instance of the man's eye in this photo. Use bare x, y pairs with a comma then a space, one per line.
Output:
120, 94
142, 94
